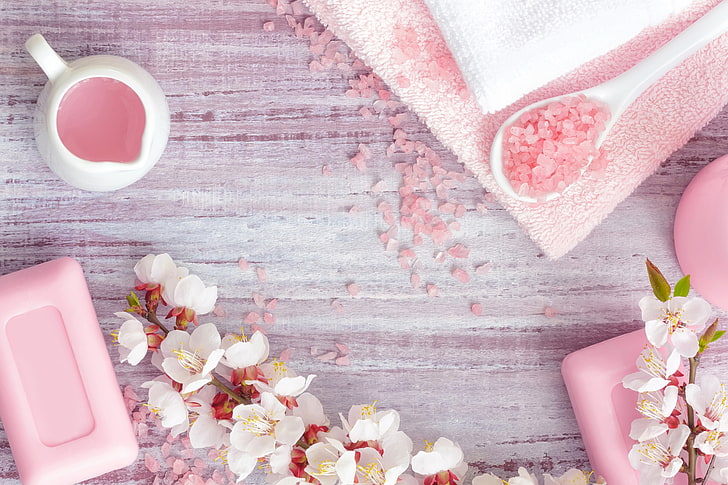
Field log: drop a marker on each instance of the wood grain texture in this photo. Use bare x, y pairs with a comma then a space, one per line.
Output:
242, 177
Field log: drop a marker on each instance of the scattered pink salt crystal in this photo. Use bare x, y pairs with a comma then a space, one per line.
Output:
254, 327
326, 171
314, 350
459, 251
271, 305
483, 268
337, 306
342, 348
353, 209
378, 187
243, 264
459, 210
392, 245
218, 311
251, 317
131, 394
440, 257
432, 291
258, 299
353, 289
415, 280
477, 309
461, 275
550, 312
327, 356
262, 275
285, 355
179, 467
269, 26
269, 318
481, 208
166, 448
343, 360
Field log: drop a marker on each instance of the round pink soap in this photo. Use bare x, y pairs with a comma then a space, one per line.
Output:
701, 232
102, 120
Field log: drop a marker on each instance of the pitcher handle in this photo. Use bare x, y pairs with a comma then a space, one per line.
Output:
48, 60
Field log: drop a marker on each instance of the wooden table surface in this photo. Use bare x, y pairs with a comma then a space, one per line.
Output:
245, 175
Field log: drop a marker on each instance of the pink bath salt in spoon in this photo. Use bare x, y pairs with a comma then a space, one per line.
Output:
542, 149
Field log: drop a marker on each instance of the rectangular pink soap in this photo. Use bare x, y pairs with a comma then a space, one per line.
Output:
604, 409
61, 405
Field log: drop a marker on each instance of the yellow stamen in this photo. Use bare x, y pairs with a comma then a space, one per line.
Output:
369, 410
429, 446
652, 363
655, 453
260, 424
373, 472
189, 360
327, 468
672, 319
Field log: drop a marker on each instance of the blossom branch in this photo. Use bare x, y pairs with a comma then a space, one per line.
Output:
692, 454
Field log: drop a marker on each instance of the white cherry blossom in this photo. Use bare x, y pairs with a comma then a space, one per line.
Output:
260, 427
241, 352
132, 339
366, 423
169, 405
323, 458
206, 431
658, 459
367, 466
713, 442
443, 456
675, 321
657, 408
157, 269
189, 292
653, 371
709, 399
189, 359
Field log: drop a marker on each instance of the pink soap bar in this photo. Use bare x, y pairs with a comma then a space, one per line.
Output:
61, 405
604, 409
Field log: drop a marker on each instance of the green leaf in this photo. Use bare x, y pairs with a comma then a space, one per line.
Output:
717, 335
132, 300
682, 287
660, 286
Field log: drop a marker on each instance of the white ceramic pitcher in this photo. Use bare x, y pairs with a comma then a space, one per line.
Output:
62, 116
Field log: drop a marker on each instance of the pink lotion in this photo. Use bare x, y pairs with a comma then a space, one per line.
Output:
101, 120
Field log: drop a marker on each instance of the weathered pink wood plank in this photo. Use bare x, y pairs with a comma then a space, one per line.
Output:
252, 129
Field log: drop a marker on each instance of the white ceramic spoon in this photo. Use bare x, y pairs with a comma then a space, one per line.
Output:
619, 92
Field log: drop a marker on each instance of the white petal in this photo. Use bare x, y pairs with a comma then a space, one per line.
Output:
346, 468
212, 360
244, 354
293, 386
696, 312
310, 410
289, 430
656, 331
195, 383
670, 400
651, 307
488, 479
135, 355
175, 340
206, 433
673, 362
280, 460
272, 406
364, 430
451, 452
241, 463
388, 421
695, 397
175, 371
677, 438
672, 469
143, 268
643, 429
205, 339
685, 342
205, 300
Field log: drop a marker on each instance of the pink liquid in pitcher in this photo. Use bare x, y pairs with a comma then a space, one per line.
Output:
101, 120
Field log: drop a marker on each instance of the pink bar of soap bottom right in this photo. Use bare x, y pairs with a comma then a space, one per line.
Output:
604, 409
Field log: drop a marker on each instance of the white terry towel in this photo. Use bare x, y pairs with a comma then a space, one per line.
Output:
507, 48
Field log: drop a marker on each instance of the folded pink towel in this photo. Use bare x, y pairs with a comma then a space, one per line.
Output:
400, 41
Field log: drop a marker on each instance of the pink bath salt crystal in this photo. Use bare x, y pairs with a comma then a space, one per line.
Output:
440, 257
477, 309
342, 348
179, 467
366, 113
417, 240
454, 226
269, 26
415, 280
550, 312
254, 327
432, 291
392, 245
461, 275
397, 120
315, 66
142, 430
269, 318
337, 306
403, 262
326, 171
200, 463
218, 311
481, 208
459, 251
365, 151
378, 187
258, 299
343, 360
131, 394
460, 211
352, 93
285, 355
271, 305
353, 209
298, 8
166, 448
261, 273
151, 463
314, 351
446, 208
548, 147
353, 289
251, 317
359, 162
243, 264
407, 253
384, 237
327, 356
482, 269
